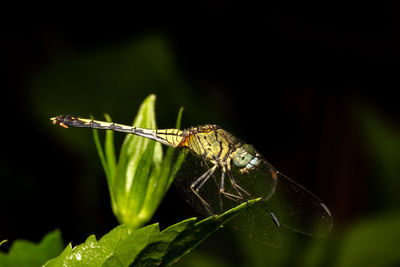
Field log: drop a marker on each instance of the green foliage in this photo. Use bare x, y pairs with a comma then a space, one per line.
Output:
373, 242
25, 253
199, 259
146, 246
141, 177
383, 147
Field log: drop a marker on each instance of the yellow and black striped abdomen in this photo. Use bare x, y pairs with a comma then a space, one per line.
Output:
170, 137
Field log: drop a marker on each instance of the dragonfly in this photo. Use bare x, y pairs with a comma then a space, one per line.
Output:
218, 171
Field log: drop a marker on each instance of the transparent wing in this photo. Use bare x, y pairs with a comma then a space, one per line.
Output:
284, 202
291, 206
218, 190
298, 209
258, 223
255, 221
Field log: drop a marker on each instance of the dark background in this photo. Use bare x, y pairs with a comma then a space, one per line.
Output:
312, 86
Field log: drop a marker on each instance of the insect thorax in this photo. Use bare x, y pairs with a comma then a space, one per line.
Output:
211, 142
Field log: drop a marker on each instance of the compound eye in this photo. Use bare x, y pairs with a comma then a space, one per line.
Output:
242, 158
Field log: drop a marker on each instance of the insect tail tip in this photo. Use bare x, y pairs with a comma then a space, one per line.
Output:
58, 121
54, 120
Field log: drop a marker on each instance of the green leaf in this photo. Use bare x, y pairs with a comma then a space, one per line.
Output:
26, 253
101, 155
179, 119
128, 179
192, 237
161, 179
140, 179
146, 246
139, 158
107, 160
153, 254
110, 151
58, 261
373, 242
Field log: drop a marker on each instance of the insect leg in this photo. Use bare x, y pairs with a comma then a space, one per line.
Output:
226, 194
236, 186
202, 179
